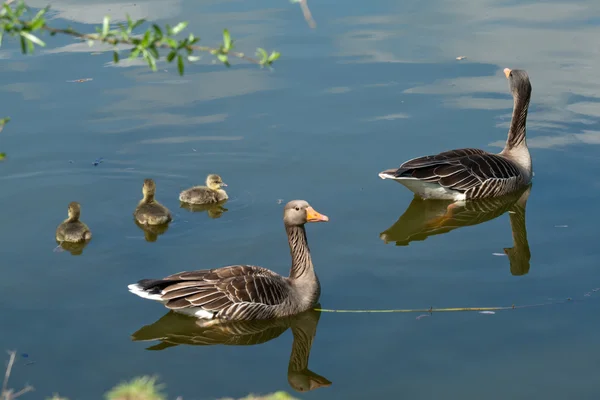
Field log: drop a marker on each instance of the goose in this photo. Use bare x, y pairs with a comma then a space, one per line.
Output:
149, 211
463, 174
72, 230
211, 193
245, 292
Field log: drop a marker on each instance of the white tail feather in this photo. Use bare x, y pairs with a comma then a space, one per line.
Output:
137, 290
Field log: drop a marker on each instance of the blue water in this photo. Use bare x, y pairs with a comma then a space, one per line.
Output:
376, 83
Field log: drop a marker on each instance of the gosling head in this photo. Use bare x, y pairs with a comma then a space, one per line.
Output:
214, 182
518, 81
74, 211
149, 188
299, 212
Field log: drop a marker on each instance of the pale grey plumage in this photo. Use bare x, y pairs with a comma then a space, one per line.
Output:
473, 173
245, 292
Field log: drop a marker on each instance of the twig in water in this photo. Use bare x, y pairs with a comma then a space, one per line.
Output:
7, 394
307, 14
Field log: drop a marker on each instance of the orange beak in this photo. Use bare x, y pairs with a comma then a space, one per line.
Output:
314, 216
507, 72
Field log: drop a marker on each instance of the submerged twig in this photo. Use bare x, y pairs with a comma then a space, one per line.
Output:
307, 14
7, 394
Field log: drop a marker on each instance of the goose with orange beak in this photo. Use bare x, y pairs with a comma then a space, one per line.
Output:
469, 173
245, 292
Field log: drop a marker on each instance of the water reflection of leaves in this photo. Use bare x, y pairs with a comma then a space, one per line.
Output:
175, 329
213, 210
425, 218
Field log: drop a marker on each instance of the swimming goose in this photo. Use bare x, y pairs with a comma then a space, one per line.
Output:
211, 193
149, 211
72, 230
245, 292
463, 174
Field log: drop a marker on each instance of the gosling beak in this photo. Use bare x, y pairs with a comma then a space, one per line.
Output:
314, 216
223, 184
507, 72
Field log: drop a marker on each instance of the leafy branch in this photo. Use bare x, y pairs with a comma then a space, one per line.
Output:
145, 45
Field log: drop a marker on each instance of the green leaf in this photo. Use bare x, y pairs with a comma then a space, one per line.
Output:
1, 36
23, 45
135, 53
262, 54
37, 24
226, 40
129, 22
137, 23
274, 56
192, 39
2, 156
146, 40
171, 42
154, 52
32, 38
180, 65
39, 16
179, 27
115, 57
105, 25
223, 59
157, 31
151, 60
171, 56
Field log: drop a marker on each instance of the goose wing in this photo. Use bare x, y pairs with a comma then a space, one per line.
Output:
463, 170
239, 291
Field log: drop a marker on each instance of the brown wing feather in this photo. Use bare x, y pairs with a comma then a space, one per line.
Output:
244, 290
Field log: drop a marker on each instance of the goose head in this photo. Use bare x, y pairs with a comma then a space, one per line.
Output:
214, 182
518, 81
299, 212
74, 211
149, 188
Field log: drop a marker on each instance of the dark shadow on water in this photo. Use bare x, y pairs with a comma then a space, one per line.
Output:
425, 218
76, 249
213, 210
152, 232
175, 329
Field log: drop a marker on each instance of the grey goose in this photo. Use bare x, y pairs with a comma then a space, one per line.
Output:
245, 292
463, 174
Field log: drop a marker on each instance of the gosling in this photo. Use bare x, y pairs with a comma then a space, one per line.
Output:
71, 229
209, 194
149, 211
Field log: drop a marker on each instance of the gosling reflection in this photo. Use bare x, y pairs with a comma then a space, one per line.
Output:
425, 218
174, 329
212, 210
152, 232
76, 249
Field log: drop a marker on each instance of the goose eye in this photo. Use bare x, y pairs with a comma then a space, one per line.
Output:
297, 208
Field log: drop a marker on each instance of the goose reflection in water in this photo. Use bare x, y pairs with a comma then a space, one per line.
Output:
174, 329
213, 210
152, 232
425, 218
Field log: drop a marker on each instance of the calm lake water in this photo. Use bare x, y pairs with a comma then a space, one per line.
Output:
375, 84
